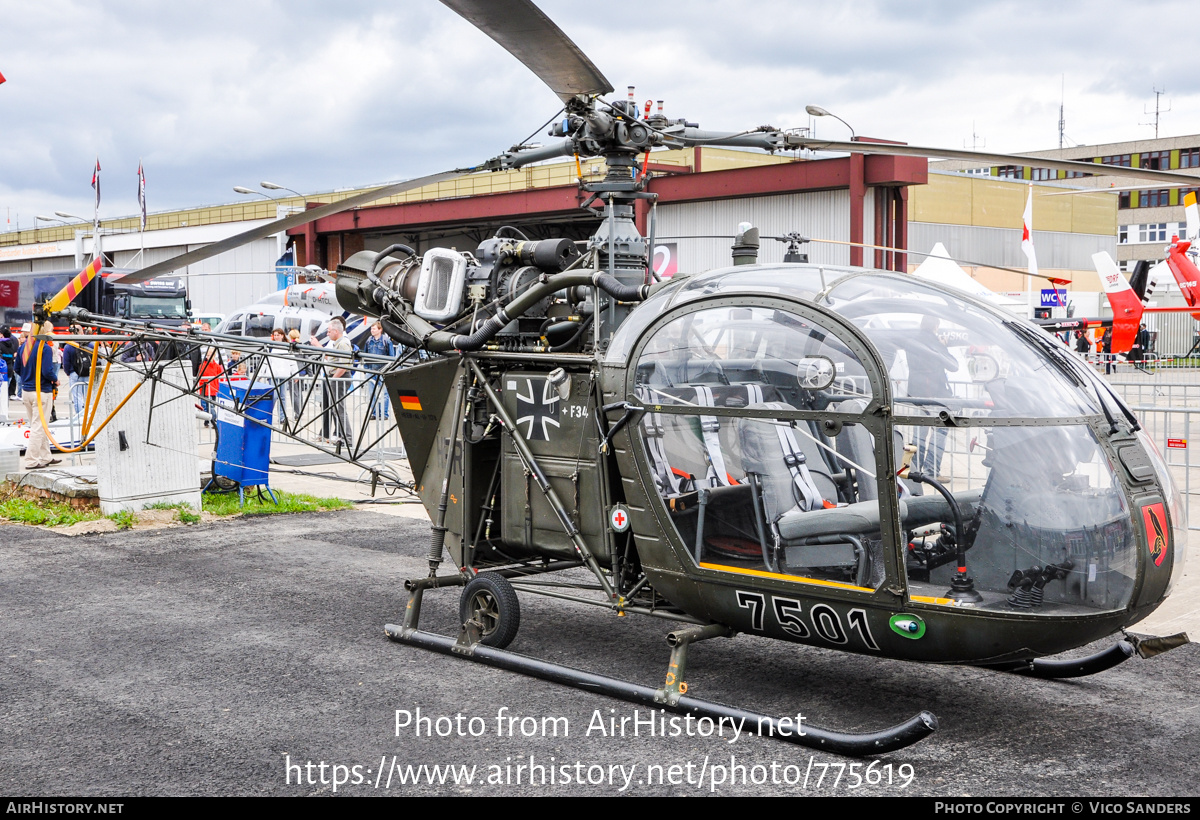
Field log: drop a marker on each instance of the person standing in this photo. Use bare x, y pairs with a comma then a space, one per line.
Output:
281, 372
22, 335
296, 387
8, 352
73, 361
37, 452
333, 389
379, 345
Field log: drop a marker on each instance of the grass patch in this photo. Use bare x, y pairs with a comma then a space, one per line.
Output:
124, 519
44, 513
183, 511
227, 503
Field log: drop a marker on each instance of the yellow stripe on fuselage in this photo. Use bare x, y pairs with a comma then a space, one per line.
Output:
758, 573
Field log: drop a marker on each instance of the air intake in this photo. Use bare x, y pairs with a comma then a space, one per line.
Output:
440, 286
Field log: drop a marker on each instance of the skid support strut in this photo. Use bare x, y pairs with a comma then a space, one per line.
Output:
868, 743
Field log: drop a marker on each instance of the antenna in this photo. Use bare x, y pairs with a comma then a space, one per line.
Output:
976, 143
1062, 120
1157, 110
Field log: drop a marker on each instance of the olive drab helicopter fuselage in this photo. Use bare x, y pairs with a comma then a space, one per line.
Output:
772, 505
843, 457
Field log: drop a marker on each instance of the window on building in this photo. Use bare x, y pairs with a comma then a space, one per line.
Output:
1153, 232
1123, 199
1117, 159
1123, 234
1153, 199
1156, 160
1042, 173
1189, 158
1077, 174
1011, 172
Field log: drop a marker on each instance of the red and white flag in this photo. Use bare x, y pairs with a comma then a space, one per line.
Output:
96, 182
142, 194
1027, 234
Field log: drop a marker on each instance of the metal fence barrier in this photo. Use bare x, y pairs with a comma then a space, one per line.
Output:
300, 394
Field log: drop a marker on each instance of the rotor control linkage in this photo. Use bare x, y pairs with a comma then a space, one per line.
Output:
962, 587
1028, 586
901, 735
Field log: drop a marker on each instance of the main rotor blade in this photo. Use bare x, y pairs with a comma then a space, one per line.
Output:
1093, 168
302, 218
525, 32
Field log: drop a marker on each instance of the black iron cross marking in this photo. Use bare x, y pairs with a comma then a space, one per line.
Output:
536, 412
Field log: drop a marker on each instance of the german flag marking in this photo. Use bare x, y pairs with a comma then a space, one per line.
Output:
408, 400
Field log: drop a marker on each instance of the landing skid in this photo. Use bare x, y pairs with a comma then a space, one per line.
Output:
1105, 659
671, 697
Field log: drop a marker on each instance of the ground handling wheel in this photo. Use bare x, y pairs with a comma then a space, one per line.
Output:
491, 600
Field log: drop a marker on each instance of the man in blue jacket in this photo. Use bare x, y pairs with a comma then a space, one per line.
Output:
37, 451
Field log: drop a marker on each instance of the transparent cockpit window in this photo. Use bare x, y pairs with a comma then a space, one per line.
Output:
770, 495
733, 357
796, 281
947, 353
1047, 526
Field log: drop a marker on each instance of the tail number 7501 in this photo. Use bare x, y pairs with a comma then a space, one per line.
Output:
789, 615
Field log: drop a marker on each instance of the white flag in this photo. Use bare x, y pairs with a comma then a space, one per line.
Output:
1027, 234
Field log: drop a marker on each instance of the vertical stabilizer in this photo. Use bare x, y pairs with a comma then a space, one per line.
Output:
1126, 306
1193, 215
1185, 272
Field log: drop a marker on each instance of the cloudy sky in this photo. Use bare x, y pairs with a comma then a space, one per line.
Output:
316, 95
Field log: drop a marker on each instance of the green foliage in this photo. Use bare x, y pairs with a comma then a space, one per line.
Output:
227, 503
183, 511
124, 519
45, 513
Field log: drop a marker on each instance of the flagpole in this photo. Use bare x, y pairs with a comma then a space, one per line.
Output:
96, 213
142, 221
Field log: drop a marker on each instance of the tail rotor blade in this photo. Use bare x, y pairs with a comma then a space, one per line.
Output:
262, 231
525, 32
1193, 216
63, 298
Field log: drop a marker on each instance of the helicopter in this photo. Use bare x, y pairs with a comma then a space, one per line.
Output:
770, 449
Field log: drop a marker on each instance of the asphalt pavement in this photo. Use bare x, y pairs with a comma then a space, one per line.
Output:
236, 658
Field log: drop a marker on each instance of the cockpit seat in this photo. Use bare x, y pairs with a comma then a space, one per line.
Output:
863, 517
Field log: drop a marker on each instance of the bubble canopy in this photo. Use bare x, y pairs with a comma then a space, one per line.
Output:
942, 350
767, 440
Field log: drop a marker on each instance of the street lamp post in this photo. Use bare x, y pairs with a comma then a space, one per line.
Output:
271, 186
238, 189
79, 234
818, 111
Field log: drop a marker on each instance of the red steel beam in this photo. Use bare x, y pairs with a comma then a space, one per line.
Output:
792, 177
461, 209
